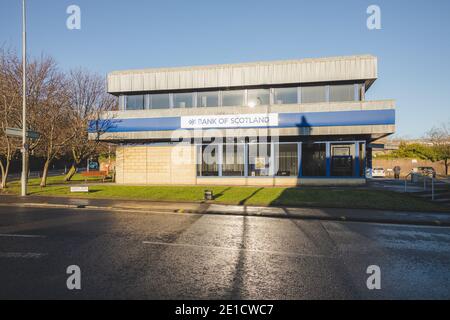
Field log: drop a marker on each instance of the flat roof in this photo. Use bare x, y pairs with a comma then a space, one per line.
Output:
343, 68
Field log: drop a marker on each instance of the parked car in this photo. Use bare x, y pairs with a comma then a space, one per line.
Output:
427, 171
378, 172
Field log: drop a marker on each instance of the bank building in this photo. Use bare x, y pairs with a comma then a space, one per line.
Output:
276, 123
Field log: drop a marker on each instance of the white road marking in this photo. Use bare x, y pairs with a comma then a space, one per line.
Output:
285, 253
26, 255
22, 235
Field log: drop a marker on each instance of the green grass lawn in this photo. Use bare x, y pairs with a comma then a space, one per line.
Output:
265, 196
77, 178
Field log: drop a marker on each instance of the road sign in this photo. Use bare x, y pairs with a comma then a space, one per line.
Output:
17, 132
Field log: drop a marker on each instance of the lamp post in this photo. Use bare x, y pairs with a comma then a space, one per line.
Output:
24, 107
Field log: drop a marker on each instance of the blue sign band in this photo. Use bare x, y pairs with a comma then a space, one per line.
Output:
285, 120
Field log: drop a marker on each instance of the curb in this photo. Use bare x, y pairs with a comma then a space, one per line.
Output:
401, 221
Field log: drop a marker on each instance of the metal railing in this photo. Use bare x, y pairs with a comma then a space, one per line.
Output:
424, 183
406, 179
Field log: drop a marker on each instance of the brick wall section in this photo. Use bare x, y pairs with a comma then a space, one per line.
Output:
155, 165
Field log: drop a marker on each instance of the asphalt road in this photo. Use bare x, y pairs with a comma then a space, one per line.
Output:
126, 255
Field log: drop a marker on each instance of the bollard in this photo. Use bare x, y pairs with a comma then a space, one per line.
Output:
432, 188
209, 195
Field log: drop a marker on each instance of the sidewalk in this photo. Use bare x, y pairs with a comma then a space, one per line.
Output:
331, 214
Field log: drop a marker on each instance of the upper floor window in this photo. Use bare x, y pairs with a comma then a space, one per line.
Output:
135, 102
285, 95
313, 94
183, 100
160, 101
248, 97
258, 97
208, 99
341, 92
233, 98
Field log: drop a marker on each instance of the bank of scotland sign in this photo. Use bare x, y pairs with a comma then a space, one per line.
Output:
230, 121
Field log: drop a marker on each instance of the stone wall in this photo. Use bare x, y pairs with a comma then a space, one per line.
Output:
407, 165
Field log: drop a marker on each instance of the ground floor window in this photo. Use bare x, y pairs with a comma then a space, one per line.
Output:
282, 159
287, 159
314, 160
233, 162
342, 159
259, 159
209, 160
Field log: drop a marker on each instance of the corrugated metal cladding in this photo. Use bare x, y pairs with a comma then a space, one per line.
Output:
245, 74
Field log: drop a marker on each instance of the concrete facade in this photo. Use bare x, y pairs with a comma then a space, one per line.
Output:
147, 134
176, 165
362, 67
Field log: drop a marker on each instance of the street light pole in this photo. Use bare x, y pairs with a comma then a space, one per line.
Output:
24, 106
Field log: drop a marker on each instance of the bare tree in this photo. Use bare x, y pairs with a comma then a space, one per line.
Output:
88, 100
48, 103
10, 98
440, 139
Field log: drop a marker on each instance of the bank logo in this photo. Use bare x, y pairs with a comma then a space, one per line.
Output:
230, 121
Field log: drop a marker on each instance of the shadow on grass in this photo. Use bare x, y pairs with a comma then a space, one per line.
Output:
243, 201
221, 193
334, 197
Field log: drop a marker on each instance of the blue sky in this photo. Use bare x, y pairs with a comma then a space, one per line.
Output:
413, 46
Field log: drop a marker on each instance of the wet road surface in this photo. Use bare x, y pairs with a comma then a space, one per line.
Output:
128, 255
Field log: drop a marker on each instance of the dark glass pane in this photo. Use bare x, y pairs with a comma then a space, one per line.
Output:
233, 98
208, 99
342, 158
183, 100
208, 160
233, 160
285, 95
314, 160
259, 159
135, 102
160, 101
342, 92
313, 94
258, 97
287, 160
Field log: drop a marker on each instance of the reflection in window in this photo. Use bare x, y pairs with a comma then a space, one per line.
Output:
233, 98
259, 159
258, 97
208, 99
183, 100
233, 160
208, 164
287, 160
314, 160
313, 94
135, 102
342, 156
285, 95
344, 92
160, 101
